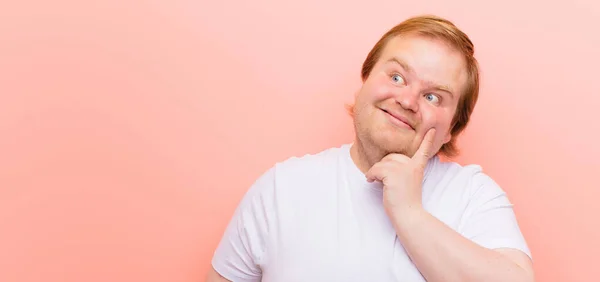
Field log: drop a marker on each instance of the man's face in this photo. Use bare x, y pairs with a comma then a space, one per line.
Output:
414, 86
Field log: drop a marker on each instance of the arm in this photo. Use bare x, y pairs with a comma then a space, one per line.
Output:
240, 251
442, 254
439, 252
214, 276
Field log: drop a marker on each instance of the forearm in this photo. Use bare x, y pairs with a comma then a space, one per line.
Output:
442, 254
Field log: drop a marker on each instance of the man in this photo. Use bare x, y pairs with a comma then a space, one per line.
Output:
385, 208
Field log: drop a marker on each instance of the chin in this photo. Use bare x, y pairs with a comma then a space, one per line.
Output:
393, 142
384, 136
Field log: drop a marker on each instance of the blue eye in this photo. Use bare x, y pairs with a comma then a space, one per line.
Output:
432, 98
396, 78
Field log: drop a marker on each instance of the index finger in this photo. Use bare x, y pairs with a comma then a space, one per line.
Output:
425, 150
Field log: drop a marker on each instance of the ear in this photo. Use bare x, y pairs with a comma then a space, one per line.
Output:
350, 109
351, 105
448, 137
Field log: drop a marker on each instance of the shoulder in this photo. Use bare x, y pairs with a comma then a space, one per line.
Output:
458, 186
298, 170
454, 192
469, 177
310, 164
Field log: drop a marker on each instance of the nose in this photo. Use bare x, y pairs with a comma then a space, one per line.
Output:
408, 99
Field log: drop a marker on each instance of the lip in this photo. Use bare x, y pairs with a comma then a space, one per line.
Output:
398, 119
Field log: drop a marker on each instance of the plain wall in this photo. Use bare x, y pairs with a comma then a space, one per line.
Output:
129, 130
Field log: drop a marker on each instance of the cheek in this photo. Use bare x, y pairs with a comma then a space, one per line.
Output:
376, 90
439, 120
429, 120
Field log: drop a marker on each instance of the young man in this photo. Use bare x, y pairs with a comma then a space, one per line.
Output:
385, 208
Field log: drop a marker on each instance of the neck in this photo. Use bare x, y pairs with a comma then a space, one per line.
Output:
365, 155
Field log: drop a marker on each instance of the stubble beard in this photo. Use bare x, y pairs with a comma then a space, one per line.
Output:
379, 141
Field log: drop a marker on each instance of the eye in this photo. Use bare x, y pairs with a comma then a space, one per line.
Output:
396, 78
432, 98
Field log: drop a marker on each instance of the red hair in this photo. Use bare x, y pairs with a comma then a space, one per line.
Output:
441, 29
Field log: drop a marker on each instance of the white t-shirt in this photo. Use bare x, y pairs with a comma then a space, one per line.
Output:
316, 218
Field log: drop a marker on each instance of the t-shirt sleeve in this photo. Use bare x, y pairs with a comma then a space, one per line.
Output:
240, 252
489, 219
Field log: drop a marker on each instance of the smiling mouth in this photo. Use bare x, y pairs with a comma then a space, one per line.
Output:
398, 120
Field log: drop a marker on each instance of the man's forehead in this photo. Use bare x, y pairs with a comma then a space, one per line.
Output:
432, 60
418, 45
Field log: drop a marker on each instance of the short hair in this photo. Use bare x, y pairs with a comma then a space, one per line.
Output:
441, 29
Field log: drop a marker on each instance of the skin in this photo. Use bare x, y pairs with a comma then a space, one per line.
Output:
214, 276
402, 116
410, 81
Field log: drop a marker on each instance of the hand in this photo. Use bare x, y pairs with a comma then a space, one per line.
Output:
402, 177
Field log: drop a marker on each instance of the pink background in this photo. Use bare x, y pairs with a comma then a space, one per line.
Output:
129, 130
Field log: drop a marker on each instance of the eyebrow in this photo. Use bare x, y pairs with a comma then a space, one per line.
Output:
408, 68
